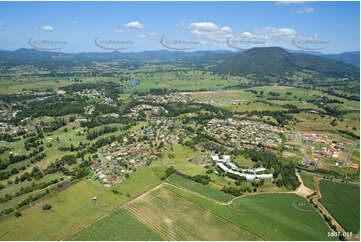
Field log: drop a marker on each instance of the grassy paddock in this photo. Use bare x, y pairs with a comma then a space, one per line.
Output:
343, 202
176, 218
270, 216
119, 225
308, 180
201, 189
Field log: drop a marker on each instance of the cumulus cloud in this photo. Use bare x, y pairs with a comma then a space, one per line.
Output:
134, 25
210, 30
267, 35
304, 10
47, 28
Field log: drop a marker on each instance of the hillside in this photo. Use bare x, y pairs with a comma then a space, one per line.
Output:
277, 61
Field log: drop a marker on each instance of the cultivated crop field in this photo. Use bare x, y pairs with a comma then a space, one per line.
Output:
343, 202
120, 225
270, 216
176, 218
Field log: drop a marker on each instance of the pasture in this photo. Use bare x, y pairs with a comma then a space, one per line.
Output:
270, 216
343, 202
175, 218
204, 190
308, 180
183, 80
178, 156
74, 207
120, 225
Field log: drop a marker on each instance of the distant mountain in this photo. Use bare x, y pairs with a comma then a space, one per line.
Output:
53, 59
350, 57
277, 61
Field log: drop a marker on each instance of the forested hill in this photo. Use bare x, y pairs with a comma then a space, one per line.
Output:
274, 61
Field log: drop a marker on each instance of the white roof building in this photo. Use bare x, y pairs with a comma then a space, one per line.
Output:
215, 158
223, 167
265, 176
226, 158
233, 166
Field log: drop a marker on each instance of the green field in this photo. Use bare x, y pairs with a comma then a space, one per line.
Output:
119, 225
180, 160
201, 189
343, 202
308, 180
270, 216
183, 80
176, 218
74, 207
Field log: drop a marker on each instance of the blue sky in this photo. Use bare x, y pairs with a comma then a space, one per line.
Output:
329, 27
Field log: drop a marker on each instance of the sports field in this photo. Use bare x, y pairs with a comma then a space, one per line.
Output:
343, 202
176, 218
119, 225
270, 216
202, 189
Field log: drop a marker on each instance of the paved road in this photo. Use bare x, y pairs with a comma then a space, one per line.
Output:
303, 147
350, 154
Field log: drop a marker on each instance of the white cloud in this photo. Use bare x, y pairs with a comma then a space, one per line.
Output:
141, 36
117, 30
2, 24
153, 34
74, 22
47, 28
266, 35
305, 10
210, 30
134, 24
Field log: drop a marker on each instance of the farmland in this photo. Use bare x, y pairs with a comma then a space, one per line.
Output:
176, 218
119, 225
270, 216
72, 210
343, 202
201, 189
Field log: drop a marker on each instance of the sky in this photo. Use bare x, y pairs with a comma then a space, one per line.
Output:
72, 27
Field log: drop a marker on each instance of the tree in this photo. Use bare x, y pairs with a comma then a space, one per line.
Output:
47, 207
17, 214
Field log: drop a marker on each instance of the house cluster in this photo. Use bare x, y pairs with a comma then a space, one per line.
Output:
226, 165
169, 98
222, 103
325, 149
117, 160
148, 111
245, 133
90, 93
